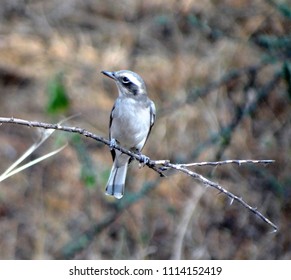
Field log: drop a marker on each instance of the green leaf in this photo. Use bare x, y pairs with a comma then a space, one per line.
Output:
58, 100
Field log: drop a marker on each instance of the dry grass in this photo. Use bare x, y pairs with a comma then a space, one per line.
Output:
175, 46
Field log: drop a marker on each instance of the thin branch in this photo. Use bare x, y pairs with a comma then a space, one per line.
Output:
83, 132
239, 162
164, 164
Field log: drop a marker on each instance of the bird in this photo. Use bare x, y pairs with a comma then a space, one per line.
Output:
131, 120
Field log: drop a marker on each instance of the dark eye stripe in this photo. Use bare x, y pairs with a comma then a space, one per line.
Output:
133, 88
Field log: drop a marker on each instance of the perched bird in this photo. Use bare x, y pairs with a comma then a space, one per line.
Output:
131, 120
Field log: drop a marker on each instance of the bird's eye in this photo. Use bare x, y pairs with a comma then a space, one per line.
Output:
125, 80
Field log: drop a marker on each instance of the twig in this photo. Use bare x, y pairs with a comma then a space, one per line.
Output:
230, 161
166, 164
83, 132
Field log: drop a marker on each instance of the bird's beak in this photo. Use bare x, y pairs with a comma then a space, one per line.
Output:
109, 74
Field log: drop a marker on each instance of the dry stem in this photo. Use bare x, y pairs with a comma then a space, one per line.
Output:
160, 165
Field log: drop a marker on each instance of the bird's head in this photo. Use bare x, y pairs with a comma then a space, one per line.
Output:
128, 82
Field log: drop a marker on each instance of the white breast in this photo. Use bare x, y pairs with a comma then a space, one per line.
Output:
131, 123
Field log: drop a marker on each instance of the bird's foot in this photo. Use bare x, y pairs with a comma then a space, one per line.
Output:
143, 160
112, 144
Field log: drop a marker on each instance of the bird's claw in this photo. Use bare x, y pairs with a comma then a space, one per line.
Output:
143, 160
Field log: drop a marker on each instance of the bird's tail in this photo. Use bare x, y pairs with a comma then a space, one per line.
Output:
116, 181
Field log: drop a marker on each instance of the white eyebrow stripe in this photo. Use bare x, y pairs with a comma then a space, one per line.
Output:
133, 79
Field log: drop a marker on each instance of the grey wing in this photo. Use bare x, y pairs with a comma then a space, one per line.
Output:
110, 138
114, 113
153, 113
152, 109
152, 117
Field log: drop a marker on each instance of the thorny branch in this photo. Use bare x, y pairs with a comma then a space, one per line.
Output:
157, 165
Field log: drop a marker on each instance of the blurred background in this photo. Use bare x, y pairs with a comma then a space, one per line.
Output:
219, 73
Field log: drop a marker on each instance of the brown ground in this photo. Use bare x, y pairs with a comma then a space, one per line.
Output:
233, 51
